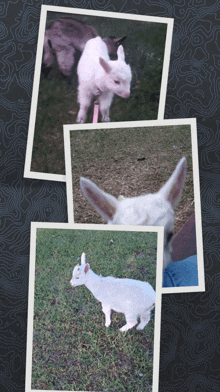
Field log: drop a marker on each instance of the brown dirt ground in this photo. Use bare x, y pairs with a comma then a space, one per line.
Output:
112, 162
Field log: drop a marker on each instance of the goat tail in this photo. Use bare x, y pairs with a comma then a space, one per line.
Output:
151, 307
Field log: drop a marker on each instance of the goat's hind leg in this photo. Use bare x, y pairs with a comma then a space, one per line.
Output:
131, 322
145, 318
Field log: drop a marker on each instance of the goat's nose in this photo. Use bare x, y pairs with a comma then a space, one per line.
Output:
127, 95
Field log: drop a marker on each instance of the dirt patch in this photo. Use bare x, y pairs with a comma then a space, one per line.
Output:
130, 162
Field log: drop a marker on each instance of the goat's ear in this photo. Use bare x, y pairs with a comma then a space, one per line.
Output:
104, 65
172, 190
118, 41
121, 53
86, 268
103, 203
83, 258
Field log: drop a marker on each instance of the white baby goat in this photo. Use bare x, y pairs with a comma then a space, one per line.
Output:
101, 78
151, 209
132, 297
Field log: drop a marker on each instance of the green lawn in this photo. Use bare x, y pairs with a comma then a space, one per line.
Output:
72, 348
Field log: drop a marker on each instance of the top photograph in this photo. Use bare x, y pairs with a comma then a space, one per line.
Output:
85, 59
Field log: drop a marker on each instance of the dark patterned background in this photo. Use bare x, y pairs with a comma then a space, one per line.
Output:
190, 322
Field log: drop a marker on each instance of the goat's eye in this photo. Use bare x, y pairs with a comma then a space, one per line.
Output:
170, 235
116, 81
77, 277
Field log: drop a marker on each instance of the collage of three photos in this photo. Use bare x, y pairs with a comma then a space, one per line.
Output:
134, 228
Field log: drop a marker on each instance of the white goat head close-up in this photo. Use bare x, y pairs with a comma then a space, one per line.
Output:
155, 209
131, 297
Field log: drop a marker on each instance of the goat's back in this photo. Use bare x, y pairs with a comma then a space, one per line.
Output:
126, 295
94, 49
89, 61
77, 32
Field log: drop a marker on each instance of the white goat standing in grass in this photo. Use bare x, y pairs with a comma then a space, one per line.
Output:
132, 297
101, 78
149, 210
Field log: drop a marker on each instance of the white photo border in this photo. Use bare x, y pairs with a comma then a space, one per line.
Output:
44, 8
77, 226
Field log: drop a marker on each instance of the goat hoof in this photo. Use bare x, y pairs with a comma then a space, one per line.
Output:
123, 329
80, 119
106, 119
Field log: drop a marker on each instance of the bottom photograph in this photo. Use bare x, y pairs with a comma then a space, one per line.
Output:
94, 308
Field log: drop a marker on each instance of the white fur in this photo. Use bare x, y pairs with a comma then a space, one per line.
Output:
132, 297
100, 77
151, 209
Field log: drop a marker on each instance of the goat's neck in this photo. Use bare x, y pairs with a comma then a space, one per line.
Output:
100, 80
93, 282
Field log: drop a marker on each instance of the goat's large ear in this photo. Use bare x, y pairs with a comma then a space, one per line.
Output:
103, 203
121, 53
118, 41
172, 190
105, 65
83, 258
86, 268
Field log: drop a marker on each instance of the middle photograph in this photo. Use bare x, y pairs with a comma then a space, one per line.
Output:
142, 173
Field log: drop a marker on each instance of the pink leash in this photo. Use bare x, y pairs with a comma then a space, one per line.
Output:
95, 112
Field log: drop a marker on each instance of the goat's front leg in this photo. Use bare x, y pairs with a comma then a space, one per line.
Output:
105, 101
65, 60
107, 311
84, 99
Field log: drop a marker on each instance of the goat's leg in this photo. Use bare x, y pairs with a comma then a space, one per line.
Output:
105, 101
48, 57
65, 60
145, 318
131, 322
107, 311
84, 99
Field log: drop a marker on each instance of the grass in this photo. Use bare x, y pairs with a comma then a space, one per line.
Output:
72, 349
130, 162
57, 101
